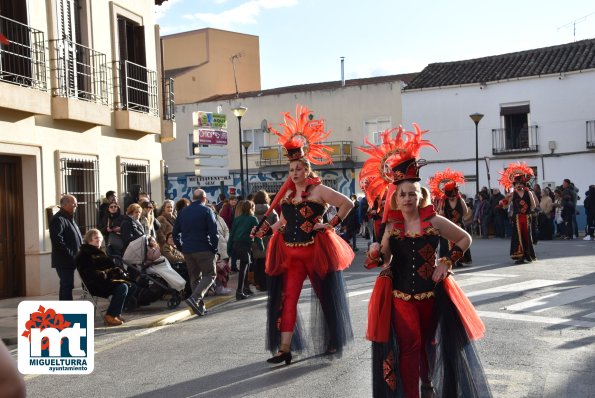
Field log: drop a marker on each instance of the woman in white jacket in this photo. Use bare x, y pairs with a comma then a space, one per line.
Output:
223, 268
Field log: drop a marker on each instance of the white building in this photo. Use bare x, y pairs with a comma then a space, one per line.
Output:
538, 108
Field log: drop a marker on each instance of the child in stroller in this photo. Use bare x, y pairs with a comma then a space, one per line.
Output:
153, 273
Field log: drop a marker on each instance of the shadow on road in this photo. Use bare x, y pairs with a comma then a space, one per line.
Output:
241, 381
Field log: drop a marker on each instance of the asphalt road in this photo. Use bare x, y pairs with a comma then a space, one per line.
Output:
540, 321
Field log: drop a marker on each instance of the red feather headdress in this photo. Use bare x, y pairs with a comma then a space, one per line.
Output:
378, 169
515, 172
445, 180
302, 137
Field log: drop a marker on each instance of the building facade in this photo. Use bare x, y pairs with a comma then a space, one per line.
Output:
83, 110
537, 107
209, 62
360, 108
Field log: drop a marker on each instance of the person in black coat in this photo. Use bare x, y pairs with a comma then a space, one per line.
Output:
131, 228
66, 240
103, 278
110, 225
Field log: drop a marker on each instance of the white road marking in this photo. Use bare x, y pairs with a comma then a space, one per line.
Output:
536, 319
485, 294
554, 300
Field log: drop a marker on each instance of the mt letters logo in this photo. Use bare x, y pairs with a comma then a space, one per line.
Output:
56, 337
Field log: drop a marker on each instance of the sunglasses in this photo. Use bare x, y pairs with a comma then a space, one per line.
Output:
113, 207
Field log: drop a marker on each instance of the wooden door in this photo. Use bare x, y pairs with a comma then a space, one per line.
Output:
12, 253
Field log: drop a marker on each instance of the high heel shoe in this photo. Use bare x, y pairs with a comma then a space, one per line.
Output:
280, 357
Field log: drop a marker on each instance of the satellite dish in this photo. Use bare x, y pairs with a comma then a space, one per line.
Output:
264, 125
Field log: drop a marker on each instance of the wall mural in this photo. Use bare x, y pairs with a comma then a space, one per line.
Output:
177, 187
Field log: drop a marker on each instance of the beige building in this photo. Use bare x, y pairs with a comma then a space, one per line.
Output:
83, 110
209, 62
361, 108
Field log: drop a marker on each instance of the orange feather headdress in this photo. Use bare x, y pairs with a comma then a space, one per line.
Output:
302, 137
393, 160
515, 172
445, 180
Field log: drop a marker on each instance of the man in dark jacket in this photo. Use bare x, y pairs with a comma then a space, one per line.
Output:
66, 240
195, 232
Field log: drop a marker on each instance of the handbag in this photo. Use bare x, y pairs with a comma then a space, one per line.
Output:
115, 242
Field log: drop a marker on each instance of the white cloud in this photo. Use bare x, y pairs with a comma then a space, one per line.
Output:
244, 14
161, 11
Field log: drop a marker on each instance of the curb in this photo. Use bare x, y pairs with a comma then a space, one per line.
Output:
182, 315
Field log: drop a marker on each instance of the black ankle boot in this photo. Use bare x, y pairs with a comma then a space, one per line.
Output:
247, 291
280, 357
240, 296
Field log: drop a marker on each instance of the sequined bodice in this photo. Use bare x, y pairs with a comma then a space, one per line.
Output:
301, 218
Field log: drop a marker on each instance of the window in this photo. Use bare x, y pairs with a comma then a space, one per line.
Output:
80, 178
136, 177
23, 61
258, 138
515, 120
373, 128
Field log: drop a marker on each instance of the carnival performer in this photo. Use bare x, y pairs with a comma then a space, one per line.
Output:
419, 321
444, 187
523, 203
303, 245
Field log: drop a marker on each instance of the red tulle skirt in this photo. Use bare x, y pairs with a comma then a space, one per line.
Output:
331, 253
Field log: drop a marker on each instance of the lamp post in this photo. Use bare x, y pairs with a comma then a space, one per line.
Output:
239, 112
476, 117
246, 145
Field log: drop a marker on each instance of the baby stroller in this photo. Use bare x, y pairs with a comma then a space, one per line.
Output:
154, 276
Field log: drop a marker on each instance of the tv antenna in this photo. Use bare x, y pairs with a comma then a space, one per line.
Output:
233, 59
573, 24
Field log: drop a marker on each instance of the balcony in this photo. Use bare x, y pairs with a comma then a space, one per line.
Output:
135, 102
79, 83
275, 155
590, 134
168, 124
23, 67
519, 140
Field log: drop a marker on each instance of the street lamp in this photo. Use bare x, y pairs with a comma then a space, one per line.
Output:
239, 112
246, 145
476, 117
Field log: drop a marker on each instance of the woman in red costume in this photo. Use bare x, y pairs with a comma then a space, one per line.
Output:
444, 186
523, 204
304, 245
419, 321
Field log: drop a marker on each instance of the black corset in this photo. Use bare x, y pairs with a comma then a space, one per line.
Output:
413, 263
301, 218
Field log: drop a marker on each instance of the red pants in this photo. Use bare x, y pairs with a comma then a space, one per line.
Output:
301, 264
412, 321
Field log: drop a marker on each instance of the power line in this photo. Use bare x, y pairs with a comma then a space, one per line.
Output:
573, 23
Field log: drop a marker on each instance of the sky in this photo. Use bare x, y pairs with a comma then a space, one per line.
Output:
302, 41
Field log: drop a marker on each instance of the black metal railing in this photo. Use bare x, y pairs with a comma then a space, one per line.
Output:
137, 88
590, 134
518, 140
81, 72
275, 155
168, 99
22, 61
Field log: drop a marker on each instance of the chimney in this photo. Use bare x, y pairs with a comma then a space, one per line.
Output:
342, 71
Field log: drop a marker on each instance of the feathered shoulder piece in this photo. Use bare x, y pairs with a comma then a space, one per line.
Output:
303, 137
515, 172
445, 180
379, 170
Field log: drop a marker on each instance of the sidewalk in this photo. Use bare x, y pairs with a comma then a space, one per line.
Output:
155, 314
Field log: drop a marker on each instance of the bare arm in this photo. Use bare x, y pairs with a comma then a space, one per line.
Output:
337, 199
452, 232
279, 223
465, 208
386, 254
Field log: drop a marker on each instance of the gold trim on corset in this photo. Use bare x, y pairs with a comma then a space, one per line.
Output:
299, 244
418, 296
